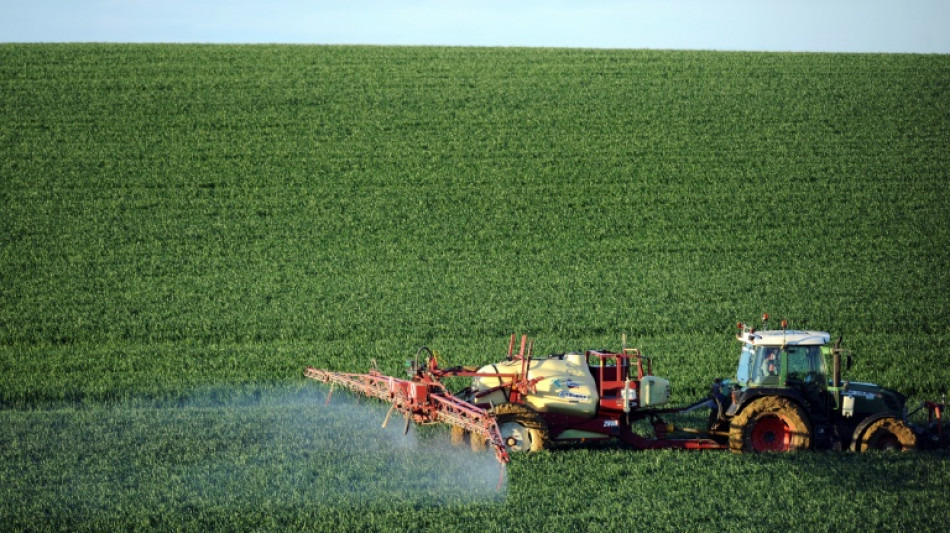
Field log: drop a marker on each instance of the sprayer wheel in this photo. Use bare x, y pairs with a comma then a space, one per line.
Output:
887, 434
479, 443
522, 428
458, 436
770, 424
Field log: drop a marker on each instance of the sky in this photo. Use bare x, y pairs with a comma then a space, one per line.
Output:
892, 26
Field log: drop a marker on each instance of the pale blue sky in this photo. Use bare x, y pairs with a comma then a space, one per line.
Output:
915, 26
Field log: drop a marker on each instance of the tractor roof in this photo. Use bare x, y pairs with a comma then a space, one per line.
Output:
778, 337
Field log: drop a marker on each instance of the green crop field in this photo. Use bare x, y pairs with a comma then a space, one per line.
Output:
184, 228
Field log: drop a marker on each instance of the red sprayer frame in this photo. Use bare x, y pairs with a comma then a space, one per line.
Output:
423, 399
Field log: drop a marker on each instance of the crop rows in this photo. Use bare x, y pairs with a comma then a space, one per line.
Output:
287, 461
183, 219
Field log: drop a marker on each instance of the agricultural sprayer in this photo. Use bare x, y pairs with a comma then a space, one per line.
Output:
526, 404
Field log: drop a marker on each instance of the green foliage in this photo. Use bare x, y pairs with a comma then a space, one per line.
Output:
182, 218
285, 461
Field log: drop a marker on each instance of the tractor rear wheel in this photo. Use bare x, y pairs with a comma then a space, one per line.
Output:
770, 424
522, 428
886, 434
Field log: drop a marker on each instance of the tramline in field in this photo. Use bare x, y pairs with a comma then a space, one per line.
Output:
780, 400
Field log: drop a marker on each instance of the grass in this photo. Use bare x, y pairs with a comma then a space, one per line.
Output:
185, 221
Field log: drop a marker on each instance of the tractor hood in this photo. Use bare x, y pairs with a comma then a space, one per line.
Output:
876, 398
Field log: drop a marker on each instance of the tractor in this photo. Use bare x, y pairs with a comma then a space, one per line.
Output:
783, 399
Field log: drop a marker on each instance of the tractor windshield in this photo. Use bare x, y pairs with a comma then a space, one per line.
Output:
803, 363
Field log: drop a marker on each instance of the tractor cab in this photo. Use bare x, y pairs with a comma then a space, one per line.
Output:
772, 361
780, 358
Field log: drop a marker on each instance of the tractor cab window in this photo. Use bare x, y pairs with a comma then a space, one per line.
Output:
806, 364
766, 365
745, 364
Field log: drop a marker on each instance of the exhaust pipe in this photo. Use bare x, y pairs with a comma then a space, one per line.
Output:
836, 364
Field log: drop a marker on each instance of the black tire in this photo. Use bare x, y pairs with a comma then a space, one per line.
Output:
886, 434
522, 428
770, 424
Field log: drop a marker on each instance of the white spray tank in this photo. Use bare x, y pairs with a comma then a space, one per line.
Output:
565, 385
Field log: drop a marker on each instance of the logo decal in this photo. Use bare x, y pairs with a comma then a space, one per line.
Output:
573, 396
569, 383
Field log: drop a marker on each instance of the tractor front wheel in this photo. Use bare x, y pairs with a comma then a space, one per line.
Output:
771, 424
886, 434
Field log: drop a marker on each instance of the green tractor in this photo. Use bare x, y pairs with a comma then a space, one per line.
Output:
782, 399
